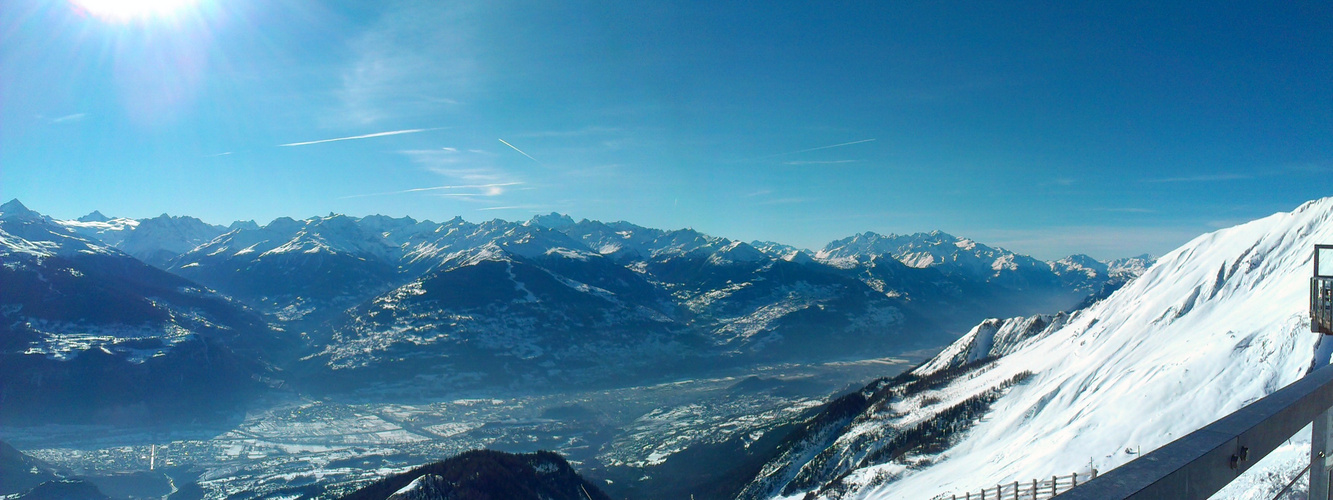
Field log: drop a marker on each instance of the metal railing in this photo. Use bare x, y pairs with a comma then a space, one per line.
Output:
1202, 462
1037, 489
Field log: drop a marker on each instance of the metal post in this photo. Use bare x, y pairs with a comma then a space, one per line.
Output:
1034, 489
1015, 490
1320, 451
1074, 478
1054, 480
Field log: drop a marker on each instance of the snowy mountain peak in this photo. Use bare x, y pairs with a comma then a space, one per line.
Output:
785, 252
552, 220
1130, 266
243, 225
95, 216
26, 232
734, 253
158, 240
473, 256
284, 225
798, 257
14, 210
1079, 263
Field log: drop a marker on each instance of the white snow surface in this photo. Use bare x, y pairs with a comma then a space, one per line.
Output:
1130, 266
1087, 266
424, 486
40, 237
993, 338
736, 252
1212, 326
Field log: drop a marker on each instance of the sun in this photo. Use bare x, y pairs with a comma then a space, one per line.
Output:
127, 10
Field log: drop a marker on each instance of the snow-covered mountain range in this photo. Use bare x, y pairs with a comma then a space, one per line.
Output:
90, 331
154, 241
1216, 324
554, 301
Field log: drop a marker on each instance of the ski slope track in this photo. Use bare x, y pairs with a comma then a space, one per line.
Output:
1213, 326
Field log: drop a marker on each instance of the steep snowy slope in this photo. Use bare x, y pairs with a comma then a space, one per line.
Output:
1215, 324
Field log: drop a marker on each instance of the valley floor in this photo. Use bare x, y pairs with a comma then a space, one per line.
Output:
295, 447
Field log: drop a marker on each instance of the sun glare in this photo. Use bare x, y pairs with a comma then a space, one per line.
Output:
126, 10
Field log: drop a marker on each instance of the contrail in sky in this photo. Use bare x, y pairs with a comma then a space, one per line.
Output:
822, 147
520, 151
367, 136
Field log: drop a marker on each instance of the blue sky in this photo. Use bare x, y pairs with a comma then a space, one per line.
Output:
1045, 127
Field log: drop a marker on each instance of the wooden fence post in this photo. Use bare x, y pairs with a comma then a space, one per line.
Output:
1054, 480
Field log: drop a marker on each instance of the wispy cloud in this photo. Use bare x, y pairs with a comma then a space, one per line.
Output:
471, 167
760, 192
355, 137
1201, 178
405, 65
520, 151
494, 189
462, 170
821, 162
